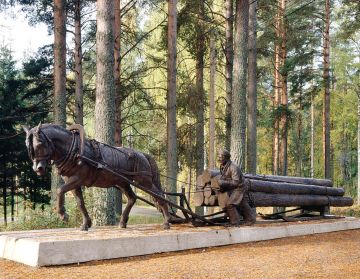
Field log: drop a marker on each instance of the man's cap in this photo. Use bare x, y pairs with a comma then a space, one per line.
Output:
224, 152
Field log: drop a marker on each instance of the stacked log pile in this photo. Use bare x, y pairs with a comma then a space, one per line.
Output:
273, 190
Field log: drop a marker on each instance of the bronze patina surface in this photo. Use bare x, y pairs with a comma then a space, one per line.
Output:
233, 190
52, 144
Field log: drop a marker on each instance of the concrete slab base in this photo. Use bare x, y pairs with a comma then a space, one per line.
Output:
66, 246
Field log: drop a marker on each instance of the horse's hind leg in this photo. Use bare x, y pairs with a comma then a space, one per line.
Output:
80, 202
131, 199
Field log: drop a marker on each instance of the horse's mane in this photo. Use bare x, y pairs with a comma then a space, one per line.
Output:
48, 128
55, 126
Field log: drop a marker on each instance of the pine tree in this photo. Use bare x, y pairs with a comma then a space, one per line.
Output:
59, 79
326, 79
171, 162
238, 103
229, 57
104, 211
252, 94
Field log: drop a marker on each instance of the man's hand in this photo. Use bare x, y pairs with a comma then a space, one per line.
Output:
228, 185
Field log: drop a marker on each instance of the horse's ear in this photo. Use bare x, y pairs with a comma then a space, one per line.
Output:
38, 129
26, 129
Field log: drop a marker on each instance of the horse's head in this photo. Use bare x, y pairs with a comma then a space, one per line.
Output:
40, 148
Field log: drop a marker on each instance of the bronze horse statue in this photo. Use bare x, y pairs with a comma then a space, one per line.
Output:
52, 144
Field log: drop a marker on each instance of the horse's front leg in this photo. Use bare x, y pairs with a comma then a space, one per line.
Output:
71, 183
81, 204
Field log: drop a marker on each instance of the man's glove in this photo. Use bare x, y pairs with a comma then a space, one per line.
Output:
228, 185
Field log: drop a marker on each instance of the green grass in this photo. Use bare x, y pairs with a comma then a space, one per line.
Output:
142, 219
35, 219
47, 219
353, 211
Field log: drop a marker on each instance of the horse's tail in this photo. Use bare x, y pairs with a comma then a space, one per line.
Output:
155, 179
155, 172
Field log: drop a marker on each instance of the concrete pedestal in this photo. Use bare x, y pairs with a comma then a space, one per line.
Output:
65, 246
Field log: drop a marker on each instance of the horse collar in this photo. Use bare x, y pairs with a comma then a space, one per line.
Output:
67, 161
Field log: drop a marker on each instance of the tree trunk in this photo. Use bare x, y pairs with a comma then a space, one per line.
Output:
12, 199
299, 143
229, 56
276, 100
280, 97
210, 210
280, 94
118, 95
326, 105
312, 153
104, 212
284, 95
212, 102
79, 111
252, 94
4, 194
117, 67
200, 122
60, 62
240, 72
260, 199
358, 151
284, 200
208, 174
171, 166
59, 80
293, 189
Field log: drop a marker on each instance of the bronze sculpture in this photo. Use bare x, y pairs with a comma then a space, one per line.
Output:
233, 190
49, 143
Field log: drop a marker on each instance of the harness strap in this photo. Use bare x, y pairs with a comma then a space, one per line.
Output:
70, 156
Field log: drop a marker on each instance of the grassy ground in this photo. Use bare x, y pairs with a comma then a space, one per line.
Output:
48, 219
353, 211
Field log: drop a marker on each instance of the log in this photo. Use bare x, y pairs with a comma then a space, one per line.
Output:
200, 184
206, 201
293, 189
282, 191
213, 200
267, 199
207, 191
198, 198
290, 179
214, 182
208, 174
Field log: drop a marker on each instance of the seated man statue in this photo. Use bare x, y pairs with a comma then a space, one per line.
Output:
232, 184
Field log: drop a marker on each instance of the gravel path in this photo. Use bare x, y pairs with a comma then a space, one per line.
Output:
331, 255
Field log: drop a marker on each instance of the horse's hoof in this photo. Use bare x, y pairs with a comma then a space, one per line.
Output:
122, 225
166, 226
84, 228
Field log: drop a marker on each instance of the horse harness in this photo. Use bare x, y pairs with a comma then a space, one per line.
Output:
75, 156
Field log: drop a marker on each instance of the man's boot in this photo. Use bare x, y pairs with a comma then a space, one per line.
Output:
233, 215
249, 213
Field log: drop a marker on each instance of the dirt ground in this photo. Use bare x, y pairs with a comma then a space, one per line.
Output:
331, 255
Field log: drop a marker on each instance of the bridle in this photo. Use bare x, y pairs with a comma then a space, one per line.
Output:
49, 146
